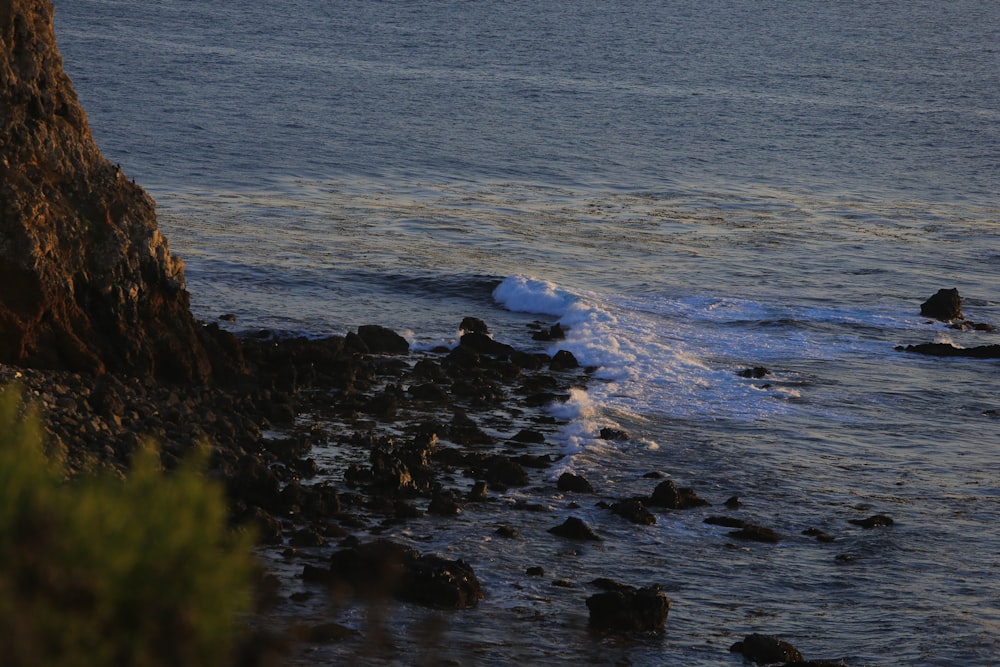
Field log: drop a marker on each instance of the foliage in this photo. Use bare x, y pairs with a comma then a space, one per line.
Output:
99, 571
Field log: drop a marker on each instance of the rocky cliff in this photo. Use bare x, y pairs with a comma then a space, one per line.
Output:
87, 282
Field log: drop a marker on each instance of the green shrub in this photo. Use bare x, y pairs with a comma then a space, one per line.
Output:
101, 572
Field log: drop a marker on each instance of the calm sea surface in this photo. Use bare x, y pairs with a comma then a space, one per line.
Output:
693, 188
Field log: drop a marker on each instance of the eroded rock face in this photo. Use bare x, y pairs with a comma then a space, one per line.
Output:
87, 282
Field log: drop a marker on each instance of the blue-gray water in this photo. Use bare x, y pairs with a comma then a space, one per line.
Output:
696, 187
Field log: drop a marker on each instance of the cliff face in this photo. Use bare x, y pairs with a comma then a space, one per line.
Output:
87, 282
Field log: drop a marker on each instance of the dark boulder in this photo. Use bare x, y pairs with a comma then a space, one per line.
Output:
766, 650
473, 325
555, 332
949, 350
380, 340
755, 373
608, 433
945, 305
483, 344
634, 511
629, 609
384, 568
754, 533
563, 360
574, 483
728, 522
667, 494
876, 521
574, 528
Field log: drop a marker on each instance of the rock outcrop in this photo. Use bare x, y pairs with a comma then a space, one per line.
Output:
87, 282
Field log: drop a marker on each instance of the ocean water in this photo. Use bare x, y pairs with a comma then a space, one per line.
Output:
693, 188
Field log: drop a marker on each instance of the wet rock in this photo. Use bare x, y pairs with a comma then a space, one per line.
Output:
667, 494
507, 531
614, 434
500, 470
755, 373
950, 350
634, 511
384, 568
733, 502
444, 504
483, 344
876, 521
945, 305
818, 534
327, 633
573, 483
473, 325
756, 534
574, 528
535, 571
629, 609
530, 436
477, 493
728, 522
555, 332
563, 360
380, 340
431, 392
766, 650
268, 528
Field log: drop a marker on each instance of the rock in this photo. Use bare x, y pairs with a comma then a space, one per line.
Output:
444, 504
384, 568
766, 650
949, 350
535, 571
755, 373
87, 282
326, 633
507, 531
555, 332
477, 493
528, 435
483, 344
563, 360
728, 522
380, 340
733, 502
666, 494
756, 534
876, 521
613, 434
634, 511
818, 534
573, 483
574, 528
473, 325
945, 305
628, 609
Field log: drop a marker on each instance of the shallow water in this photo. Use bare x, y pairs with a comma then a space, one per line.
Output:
694, 188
